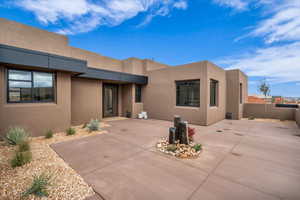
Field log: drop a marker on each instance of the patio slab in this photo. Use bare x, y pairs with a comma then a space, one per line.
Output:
216, 188
247, 160
223, 141
146, 176
282, 151
139, 132
208, 160
268, 177
91, 153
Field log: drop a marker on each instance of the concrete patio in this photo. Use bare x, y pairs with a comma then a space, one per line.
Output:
246, 160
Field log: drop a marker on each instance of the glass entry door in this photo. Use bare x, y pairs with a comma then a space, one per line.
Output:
110, 100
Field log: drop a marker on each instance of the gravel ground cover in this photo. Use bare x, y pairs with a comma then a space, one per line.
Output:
270, 120
65, 182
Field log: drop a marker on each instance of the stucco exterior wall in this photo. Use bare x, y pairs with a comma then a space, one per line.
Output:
216, 113
96, 60
127, 93
23, 36
86, 100
152, 65
134, 66
233, 105
37, 118
243, 79
268, 111
128, 99
160, 94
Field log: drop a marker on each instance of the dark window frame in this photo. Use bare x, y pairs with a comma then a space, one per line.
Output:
214, 102
138, 93
54, 88
182, 82
241, 93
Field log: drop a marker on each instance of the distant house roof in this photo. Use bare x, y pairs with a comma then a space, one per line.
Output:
254, 99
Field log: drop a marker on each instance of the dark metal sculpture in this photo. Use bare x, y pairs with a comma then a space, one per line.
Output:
172, 132
179, 133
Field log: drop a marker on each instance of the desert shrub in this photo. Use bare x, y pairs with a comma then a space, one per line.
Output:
24, 146
21, 158
70, 131
94, 125
39, 186
197, 147
171, 147
49, 134
16, 136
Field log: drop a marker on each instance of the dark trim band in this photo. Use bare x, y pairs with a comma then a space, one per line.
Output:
20, 56
102, 74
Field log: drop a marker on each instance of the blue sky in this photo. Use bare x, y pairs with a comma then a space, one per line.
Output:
261, 37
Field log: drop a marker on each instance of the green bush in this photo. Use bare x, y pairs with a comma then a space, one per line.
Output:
49, 134
39, 186
16, 136
197, 147
94, 125
70, 131
21, 158
24, 146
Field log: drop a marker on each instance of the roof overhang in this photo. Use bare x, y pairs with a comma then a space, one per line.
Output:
102, 74
31, 58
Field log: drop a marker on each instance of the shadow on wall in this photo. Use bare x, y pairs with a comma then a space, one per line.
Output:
297, 117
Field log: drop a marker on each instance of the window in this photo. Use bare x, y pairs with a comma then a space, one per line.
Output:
138, 93
241, 93
29, 86
188, 93
213, 92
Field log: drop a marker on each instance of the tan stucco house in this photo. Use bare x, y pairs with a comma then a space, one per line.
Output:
47, 84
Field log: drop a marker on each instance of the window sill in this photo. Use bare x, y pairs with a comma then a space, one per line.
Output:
213, 107
188, 107
30, 104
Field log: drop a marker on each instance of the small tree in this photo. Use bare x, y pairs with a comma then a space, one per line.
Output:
264, 87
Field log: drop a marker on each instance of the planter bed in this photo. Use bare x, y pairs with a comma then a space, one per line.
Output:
65, 184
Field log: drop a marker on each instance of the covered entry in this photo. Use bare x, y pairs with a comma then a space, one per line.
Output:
110, 100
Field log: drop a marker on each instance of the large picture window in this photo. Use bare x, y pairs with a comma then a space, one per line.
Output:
214, 92
188, 93
29, 86
138, 93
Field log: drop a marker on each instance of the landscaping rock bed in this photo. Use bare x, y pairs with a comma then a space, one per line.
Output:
65, 183
190, 150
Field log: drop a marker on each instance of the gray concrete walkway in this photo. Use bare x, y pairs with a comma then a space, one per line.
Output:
248, 160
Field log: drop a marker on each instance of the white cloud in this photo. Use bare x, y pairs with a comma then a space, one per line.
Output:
279, 28
282, 25
278, 63
281, 21
85, 15
181, 5
236, 4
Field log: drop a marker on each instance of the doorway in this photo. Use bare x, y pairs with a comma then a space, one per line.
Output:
110, 100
